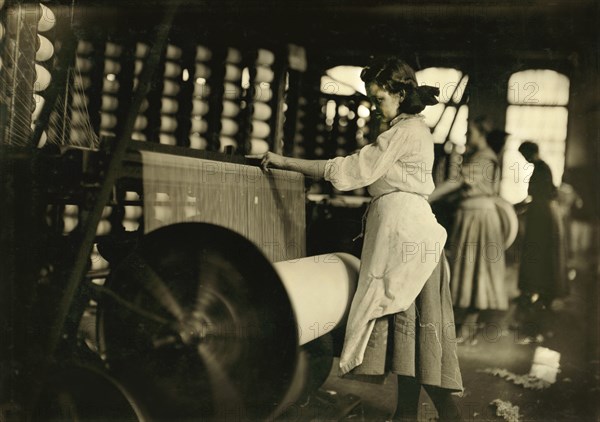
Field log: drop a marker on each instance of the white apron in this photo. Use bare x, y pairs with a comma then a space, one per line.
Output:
402, 246
403, 240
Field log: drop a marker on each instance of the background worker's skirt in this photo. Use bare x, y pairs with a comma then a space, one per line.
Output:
543, 268
476, 256
419, 342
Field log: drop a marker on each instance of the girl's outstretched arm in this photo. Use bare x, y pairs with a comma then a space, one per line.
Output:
310, 168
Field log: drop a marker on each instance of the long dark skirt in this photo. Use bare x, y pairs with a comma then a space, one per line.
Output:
419, 342
476, 255
543, 261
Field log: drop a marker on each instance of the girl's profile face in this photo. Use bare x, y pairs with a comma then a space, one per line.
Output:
386, 104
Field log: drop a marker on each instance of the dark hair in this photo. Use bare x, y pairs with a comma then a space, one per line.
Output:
396, 76
496, 140
528, 149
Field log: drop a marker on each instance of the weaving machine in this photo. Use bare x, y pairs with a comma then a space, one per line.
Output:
151, 272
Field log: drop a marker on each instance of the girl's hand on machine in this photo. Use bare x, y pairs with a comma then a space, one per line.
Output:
268, 159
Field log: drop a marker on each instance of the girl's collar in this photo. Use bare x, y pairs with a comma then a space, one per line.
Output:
404, 116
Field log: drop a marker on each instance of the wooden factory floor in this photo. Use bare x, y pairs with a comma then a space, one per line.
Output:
570, 328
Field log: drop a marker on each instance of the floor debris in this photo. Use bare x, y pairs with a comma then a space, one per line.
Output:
506, 410
527, 381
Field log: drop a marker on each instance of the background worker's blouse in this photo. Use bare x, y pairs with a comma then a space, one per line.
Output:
403, 240
480, 173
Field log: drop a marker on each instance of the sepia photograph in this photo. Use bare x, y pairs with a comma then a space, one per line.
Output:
299, 210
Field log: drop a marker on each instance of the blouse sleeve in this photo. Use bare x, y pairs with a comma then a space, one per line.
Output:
371, 162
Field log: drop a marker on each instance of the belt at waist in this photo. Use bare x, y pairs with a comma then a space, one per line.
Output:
375, 198
480, 201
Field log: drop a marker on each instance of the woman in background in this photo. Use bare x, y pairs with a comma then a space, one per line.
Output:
496, 140
401, 317
543, 263
476, 244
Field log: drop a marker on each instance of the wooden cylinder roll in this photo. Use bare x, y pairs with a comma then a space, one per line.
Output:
264, 74
42, 79
202, 71
108, 121
265, 57
199, 107
169, 105
320, 289
172, 70
258, 146
229, 127
83, 64
233, 55
261, 111
202, 53
112, 50
198, 142
170, 88
232, 73
109, 103
47, 19
111, 66
45, 51
260, 129
173, 52
199, 125
39, 103
110, 87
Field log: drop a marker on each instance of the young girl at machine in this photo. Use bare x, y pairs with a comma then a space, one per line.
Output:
401, 318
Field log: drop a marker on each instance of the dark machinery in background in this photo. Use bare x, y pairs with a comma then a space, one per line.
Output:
190, 321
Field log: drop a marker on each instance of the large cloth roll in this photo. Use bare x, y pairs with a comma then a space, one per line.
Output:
320, 289
508, 220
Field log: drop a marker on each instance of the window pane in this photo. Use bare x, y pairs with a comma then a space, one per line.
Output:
443, 127
432, 114
349, 76
458, 133
334, 87
546, 126
446, 79
462, 86
538, 87
543, 124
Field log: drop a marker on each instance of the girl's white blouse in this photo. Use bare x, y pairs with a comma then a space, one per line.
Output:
400, 159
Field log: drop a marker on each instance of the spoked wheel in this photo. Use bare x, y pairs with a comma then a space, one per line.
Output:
85, 393
199, 326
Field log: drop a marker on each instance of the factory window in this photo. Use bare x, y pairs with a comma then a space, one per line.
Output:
343, 124
343, 80
448, 118
345, 111
537, 111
